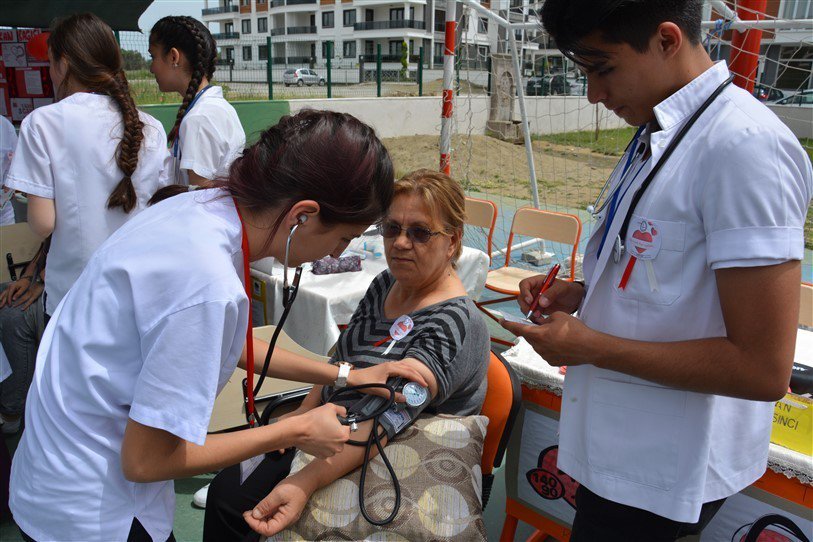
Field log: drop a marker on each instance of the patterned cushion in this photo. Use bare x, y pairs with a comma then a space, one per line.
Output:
437, 462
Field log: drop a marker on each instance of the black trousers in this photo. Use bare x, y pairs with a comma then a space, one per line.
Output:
600, 519
228, 499
137, 534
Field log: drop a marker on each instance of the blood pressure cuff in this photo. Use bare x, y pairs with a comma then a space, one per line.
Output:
393, 421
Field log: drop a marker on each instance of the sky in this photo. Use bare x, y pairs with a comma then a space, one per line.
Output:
162, 8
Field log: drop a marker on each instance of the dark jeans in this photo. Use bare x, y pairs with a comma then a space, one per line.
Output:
137, 534
600, 519
228, 499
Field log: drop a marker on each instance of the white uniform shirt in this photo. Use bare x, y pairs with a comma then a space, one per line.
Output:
8, 141
66, 153
733, 194
211, 138
151, 331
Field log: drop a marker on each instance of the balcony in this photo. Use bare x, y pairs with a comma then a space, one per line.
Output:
219, 10
278, 60
384, 25
276, 4
278, 31
224, 62
301, 30
299, 59
226, 36
298, 2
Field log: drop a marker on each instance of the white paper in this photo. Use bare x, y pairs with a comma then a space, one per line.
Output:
33, 82
516, 319
14, 55
249, 466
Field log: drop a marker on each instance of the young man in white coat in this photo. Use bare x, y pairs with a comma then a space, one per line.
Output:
687, 319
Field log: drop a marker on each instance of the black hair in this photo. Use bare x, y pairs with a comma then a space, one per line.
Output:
193, 39
633, 22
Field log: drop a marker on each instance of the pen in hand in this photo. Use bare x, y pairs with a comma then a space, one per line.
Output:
545, 285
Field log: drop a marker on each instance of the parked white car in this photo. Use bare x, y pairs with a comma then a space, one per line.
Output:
301, 77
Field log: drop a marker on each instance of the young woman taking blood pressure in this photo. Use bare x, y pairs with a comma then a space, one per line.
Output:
134, 356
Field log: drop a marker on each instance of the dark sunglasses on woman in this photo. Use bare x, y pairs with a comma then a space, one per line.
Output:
416, 234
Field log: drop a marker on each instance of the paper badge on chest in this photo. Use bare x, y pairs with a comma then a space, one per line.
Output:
644, 240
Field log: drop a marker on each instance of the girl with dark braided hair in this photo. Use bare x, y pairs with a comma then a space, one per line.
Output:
207, 135
90, 161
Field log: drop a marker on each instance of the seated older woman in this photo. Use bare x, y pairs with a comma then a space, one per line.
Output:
448, 345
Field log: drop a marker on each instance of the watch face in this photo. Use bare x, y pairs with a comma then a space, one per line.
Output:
415, 394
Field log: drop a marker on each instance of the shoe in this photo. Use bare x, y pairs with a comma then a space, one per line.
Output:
199, 498
10, 427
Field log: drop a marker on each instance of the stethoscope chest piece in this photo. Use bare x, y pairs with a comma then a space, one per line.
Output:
618, 249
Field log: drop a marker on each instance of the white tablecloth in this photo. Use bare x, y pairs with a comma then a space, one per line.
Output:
536, 373
325, 301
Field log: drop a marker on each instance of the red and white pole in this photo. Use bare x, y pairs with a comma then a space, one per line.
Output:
448, 90
744, 57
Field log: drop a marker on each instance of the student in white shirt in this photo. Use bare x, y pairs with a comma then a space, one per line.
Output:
131, 362
8, 142
677, 354
207, 135
90, 161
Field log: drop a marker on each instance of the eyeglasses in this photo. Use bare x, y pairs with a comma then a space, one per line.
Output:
416, 234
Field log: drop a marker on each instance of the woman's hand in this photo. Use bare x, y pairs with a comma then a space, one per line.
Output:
21, 293
319, 430
563, 296
281, 508
379, 374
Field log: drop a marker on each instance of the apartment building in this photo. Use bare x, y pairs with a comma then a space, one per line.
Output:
300, 30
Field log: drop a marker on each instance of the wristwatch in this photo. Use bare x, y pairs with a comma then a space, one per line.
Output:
344, 371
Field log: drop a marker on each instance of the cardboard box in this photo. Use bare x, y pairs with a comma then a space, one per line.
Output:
793, 423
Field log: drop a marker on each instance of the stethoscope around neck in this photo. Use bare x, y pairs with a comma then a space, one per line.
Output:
613, 199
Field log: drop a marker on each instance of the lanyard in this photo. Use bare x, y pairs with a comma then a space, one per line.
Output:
249, 382
176, 145
616, 199
656, 168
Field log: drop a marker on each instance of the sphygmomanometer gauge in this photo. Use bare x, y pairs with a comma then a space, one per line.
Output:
415, 394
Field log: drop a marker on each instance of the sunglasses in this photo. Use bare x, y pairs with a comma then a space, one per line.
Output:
416, 234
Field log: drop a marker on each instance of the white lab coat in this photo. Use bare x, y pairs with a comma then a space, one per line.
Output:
151, 331
66, 153
733, 194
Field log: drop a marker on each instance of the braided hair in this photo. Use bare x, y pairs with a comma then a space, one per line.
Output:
94, 61
192, 38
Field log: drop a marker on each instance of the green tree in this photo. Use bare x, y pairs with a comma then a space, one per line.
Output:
133, 60
404, 60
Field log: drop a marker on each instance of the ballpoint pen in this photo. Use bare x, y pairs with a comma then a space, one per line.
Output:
545, 285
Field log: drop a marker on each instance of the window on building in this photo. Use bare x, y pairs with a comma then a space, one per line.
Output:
795, 67
228, 28
798, 9
397, 14
245, 2
369, 48
262, 52
482, 26
247, 53
438, 49
349, 17
369, 15
262, 24
396, 47
246, 26
349, 49
327, 20
230, 54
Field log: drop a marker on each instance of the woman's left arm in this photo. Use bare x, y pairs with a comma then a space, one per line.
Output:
285, 503
41, 215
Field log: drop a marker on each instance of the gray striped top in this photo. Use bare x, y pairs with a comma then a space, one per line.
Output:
450, 338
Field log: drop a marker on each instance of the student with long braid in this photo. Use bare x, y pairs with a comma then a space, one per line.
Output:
207, 135
90, 161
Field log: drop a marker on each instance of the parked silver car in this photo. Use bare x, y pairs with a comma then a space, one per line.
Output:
301, 76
